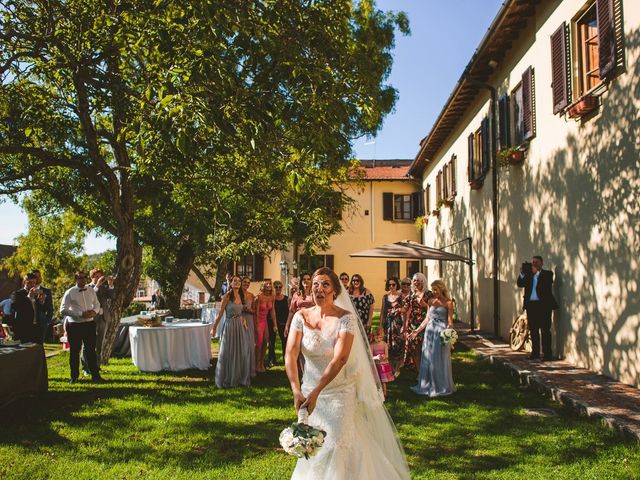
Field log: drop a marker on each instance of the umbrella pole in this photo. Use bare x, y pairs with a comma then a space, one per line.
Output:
473, 301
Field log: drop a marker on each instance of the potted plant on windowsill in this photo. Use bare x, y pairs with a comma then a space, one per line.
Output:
421, 221
445, 202
583, 106
436, 212
511, 156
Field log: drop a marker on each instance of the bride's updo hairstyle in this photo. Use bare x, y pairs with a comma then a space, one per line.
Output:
335, 281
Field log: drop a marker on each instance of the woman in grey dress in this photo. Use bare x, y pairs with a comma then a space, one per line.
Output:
435, 376
234, 357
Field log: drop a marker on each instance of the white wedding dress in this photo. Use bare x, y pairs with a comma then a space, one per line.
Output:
361, 441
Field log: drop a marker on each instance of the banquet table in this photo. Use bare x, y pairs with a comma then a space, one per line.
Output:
180, 345
23, 371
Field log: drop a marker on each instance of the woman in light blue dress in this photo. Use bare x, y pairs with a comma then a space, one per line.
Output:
236, 348
435, 376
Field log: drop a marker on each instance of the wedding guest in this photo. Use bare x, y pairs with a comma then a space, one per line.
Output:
539, 302
294, 286
344, 278
435, 378
248, 313
302, 299
235, 356
103, 286
362, 300
380, 352
265, 318
27, 305
282, 313
45, 319
392, 320
415, 311
158, 301
226, 284
80, 306
405, 287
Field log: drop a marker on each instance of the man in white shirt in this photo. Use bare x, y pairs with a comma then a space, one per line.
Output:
79, 308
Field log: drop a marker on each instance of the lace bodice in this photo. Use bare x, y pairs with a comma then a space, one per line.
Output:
318, 350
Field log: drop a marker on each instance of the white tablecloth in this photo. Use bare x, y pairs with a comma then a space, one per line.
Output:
177, 346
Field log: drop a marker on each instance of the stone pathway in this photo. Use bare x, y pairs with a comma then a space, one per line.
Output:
591, 394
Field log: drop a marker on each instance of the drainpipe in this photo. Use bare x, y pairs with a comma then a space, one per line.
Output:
494, 209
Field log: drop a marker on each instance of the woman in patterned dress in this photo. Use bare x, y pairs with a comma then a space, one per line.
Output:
415, 310
392, 321
362, 300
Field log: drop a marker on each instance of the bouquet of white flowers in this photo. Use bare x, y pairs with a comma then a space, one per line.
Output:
300, 439
448, 336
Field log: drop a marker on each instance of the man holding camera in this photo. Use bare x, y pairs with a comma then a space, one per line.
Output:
539, 302
28, 310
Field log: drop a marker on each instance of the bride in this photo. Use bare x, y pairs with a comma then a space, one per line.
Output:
340, 390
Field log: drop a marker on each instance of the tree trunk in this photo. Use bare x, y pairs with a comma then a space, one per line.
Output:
221, 267
128, 269
176, 276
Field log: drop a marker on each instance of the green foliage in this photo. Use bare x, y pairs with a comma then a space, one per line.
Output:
54, 245
134, 308
105, 261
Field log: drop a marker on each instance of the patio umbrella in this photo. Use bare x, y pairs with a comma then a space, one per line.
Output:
409, 249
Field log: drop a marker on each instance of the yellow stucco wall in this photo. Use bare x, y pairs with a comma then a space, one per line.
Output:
574, 200
362, 231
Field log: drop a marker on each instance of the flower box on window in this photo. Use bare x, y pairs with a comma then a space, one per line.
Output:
435, 213
583, 106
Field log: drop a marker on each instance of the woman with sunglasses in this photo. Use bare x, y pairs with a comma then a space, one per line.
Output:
392, 321
344, 279
415, 311
299, 300
362, 301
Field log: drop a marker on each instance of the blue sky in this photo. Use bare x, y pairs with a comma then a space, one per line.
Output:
427, 65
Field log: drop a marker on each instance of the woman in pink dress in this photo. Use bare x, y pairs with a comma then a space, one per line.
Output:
263, 305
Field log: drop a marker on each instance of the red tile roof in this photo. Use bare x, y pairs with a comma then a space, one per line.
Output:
385, 169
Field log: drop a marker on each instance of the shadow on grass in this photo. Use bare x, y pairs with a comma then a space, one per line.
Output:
182, 420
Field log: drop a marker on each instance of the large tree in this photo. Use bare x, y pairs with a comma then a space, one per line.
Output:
169, 123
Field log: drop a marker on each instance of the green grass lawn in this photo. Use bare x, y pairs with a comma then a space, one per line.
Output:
179, 426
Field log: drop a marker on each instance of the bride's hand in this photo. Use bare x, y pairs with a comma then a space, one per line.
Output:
298, 400
310, 403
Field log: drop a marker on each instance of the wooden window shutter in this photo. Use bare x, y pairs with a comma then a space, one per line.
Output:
559, 68
470, 156
452, 175
387, 206
328, 261
258, 267
415, 205
445, 181
606, 37
427, 202
438, 187
486, 145
503, 119
528, 105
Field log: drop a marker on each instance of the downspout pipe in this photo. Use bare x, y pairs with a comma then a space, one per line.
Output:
494, 208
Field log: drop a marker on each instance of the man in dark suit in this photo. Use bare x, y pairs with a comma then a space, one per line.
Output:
27, 306
539, 302
45, 319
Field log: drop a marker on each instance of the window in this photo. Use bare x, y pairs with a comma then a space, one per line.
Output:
516, 113
516, 135
141, 292
438, 188
402, 207
478, 144
451, 181
597, 53
393, 269
310, 263
413, 266
251, 266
